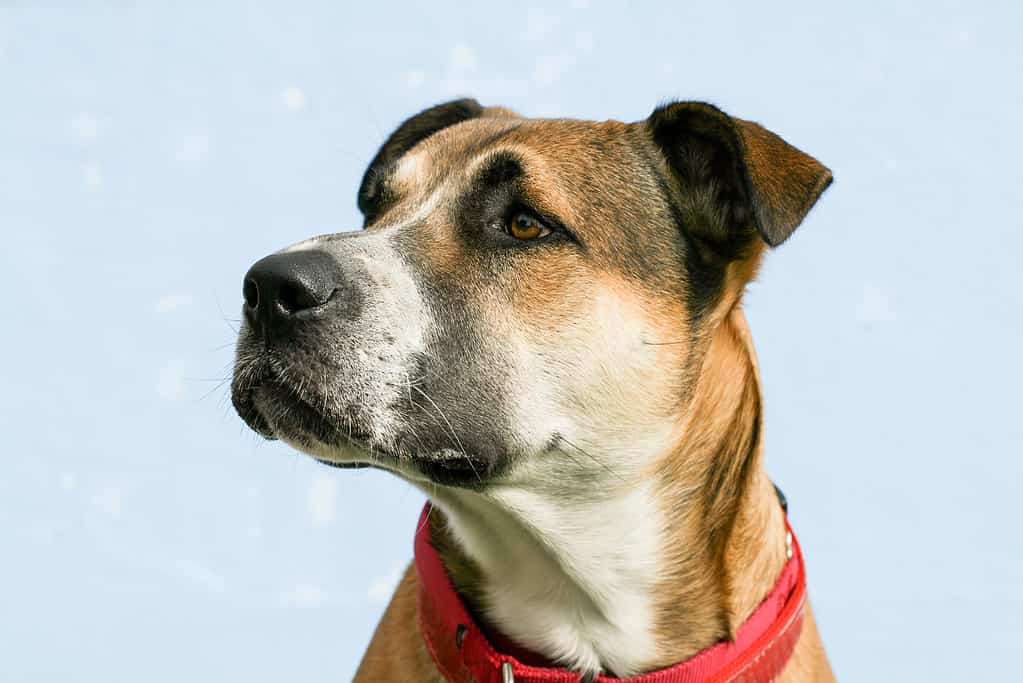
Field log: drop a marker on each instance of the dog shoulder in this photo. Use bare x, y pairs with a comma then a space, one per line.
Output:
397, 652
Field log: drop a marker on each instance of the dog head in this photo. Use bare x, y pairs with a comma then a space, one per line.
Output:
527, 299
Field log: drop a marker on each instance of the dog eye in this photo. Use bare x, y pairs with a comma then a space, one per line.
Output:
523, 226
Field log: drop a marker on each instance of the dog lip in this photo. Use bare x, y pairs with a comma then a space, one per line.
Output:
344, 465
272, 390
300, 420
244, 405
456, 469
317, 311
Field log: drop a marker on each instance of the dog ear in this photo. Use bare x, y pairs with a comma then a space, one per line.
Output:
735, 177
412, 131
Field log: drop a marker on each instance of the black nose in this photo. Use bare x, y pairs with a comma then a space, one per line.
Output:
282, 288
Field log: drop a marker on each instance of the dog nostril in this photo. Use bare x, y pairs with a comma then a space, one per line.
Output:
279, 287
250, 290
293, 297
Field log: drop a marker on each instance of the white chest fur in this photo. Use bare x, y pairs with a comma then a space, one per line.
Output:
569, 578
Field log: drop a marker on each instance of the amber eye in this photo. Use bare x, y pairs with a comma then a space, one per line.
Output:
524, 227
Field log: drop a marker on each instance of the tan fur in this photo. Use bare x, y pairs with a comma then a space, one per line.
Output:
397, 652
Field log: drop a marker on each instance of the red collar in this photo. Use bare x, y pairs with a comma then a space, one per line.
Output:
463, 654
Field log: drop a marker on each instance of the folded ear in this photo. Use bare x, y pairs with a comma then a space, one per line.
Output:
735, 177
411, 132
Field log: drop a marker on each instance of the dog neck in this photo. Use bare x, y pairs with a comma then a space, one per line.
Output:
630, 576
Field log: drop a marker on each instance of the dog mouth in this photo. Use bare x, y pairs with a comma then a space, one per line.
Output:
288, 410
279, 409
454, 469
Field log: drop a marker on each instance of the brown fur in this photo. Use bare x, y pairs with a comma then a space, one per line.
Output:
397, 652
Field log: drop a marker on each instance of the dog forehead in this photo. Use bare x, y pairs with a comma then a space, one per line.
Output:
454, 145
600, 178
587, 170
556, 141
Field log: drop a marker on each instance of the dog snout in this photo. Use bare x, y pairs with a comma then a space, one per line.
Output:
284, 288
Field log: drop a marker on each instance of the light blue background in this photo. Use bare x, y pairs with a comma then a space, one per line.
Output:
149, 155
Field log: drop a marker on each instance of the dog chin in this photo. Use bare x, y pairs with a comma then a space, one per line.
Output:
354, 456
300, 426
445, 468
348, 455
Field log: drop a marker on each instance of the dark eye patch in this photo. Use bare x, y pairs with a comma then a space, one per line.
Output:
496, 194
500, 169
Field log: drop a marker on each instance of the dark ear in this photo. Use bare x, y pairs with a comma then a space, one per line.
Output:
734, 176
413, 131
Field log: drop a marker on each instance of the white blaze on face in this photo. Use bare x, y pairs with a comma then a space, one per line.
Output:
397, 303
394, 321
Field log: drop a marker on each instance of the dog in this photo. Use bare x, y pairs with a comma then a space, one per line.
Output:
540, 326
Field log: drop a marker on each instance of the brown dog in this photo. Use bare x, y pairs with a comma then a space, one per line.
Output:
540, 326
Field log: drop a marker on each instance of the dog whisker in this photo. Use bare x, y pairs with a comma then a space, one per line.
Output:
451, 429
219, 385
589, 455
